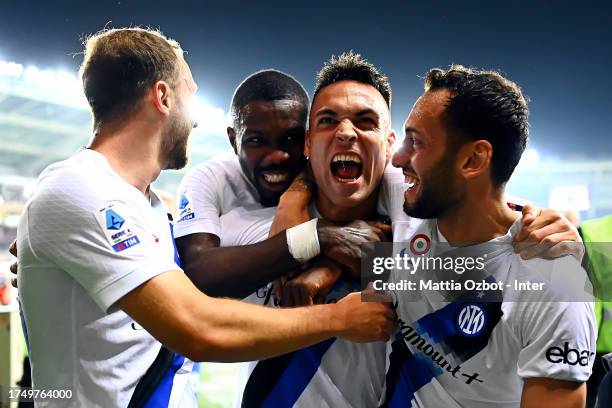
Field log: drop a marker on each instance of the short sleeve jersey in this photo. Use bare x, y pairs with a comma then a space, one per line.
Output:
210, 190
86, 239
476, 353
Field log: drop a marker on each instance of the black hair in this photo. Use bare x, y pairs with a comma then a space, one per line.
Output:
350, 66
268, 85
485, 106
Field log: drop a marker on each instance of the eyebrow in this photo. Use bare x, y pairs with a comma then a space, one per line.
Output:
326, 111
410, 129
331, 112
367, 111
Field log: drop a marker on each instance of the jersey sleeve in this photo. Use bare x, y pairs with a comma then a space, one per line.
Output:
558, 340
108, 247
199, 202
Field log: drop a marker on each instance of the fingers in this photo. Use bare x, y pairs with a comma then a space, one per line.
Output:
14, 282
530, 213
13, 248
385, 228
538, 235
546, 223
13, 268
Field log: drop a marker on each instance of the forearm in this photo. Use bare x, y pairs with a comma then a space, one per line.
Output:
292, 208
242, 331
236, 271
202, 328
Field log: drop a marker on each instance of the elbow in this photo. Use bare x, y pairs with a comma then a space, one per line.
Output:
210, 347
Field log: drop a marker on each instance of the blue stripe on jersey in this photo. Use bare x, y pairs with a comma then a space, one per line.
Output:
414, 372
279, 381
409, 372
297, 375
441, 328
177, 258
161, 396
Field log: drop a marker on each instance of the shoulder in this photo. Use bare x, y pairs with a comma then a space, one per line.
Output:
212, 173
562, 279
74, 186
225, 163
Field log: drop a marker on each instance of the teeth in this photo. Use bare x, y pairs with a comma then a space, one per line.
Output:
275, 178
346, 157
411, 181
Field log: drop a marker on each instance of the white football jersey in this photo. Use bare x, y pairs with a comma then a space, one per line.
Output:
463, 350
86, 239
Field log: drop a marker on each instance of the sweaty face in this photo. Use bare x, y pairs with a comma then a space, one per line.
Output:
427, 163
269, 141
349, 142
180, 123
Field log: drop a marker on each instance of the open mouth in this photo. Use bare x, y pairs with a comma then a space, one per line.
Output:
275, 177
346, 167
411, 180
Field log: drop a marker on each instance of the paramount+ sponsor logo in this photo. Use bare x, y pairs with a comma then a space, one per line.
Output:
568, 355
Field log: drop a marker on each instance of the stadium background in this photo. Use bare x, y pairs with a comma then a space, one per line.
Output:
44, 116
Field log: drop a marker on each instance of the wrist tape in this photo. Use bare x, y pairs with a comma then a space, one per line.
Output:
303, 241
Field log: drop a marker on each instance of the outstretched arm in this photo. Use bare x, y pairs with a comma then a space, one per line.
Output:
181, 317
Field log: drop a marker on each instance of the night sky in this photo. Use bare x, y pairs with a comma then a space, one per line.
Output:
559, 52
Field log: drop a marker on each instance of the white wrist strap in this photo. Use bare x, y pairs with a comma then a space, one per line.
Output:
303, 241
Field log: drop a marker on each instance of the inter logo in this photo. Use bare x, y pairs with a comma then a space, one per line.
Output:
420, 244
471, 319
113, 220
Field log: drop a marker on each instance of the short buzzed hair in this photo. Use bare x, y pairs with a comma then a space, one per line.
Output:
484, 106
120, 65
350, 66
268, 85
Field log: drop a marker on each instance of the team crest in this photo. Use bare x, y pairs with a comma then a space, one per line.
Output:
420, 244
471, 319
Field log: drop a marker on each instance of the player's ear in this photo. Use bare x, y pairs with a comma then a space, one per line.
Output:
231, 135
475, 158
161, 95
391, 139
307, 143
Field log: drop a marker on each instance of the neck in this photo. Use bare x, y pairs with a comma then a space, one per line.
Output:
483, 216
132, 152
365, 210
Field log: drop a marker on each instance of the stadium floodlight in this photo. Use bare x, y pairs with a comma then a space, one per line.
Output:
210, 119
10, 69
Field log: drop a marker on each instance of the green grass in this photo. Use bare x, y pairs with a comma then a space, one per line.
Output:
217, 385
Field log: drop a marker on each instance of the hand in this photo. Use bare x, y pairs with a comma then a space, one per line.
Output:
547, 233
364, 321
13, 267
343, 243
311, 286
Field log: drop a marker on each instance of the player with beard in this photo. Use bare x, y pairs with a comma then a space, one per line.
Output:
463, 139
106, 307
349, 143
